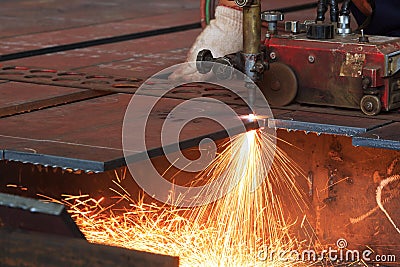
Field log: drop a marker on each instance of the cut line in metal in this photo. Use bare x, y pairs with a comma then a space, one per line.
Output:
387, 137
102, 41
325, 123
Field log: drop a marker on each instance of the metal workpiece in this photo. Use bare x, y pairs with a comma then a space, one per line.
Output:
20, 97
310, 122
39, 37
70, 79
96, 145
28, 214
36, 249
76, 121
386, 136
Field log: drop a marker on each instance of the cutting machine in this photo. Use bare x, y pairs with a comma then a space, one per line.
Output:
315, 62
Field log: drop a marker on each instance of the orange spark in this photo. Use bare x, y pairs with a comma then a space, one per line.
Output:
228, 232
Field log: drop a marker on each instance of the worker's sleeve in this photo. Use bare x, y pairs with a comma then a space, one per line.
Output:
385, 19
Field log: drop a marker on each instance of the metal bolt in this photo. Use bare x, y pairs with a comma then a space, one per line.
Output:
259, 67
272, 55
243, 3
368, 106
311, 59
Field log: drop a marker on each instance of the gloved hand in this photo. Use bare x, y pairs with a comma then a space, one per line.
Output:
223, 36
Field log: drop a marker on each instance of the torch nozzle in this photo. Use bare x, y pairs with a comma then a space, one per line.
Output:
251, 93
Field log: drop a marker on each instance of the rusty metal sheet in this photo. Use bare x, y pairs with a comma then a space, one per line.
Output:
141, 58
69, 79
277, 112
387, 137
29, 214
325, 123
32, 249
15, 93
393, 115
30, 76
18, 97
57, 154
99, 41
72, 38
87, 135
25, 16
109, 84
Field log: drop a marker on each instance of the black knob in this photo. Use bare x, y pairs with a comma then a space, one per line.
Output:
320, 31
204, 61
363, 38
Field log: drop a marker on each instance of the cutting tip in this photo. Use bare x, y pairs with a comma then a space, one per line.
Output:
250, 117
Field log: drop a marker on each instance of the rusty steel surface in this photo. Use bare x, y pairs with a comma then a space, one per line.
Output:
26, 17
54, 80
42, 140
87, 134
68, 136
99, 41
72, 38
100, 67
383, 137
14, 93
21, 213
26, 97
32, 249
140, 58
326, 123
343, 191
70, 79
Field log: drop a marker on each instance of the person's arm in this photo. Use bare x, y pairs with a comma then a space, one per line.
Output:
363, 6
383, 19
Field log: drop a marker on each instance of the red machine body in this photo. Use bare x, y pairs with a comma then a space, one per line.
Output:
340, 72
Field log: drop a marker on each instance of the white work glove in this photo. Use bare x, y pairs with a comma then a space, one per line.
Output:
223, 36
